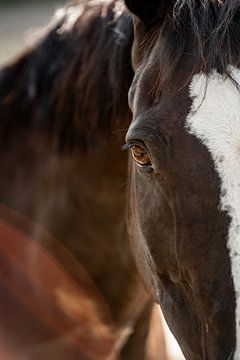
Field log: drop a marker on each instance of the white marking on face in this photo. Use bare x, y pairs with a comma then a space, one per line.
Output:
215, 120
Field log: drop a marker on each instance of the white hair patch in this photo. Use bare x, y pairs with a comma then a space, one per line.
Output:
215, 120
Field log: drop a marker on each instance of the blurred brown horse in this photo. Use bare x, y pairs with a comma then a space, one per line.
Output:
63, 118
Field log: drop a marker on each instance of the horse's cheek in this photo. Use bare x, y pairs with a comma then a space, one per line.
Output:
151, 231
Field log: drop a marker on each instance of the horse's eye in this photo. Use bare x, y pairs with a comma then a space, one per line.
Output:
140, 155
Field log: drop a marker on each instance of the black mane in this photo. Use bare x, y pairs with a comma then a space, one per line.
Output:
73, 83
215, 25
207, 31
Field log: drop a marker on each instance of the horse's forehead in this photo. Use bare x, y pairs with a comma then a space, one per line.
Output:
214, 120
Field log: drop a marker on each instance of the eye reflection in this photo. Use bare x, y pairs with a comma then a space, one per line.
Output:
140, 155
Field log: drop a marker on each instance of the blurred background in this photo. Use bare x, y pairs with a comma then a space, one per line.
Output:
19, 19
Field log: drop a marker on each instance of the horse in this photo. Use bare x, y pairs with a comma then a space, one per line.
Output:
184, 191
63, 118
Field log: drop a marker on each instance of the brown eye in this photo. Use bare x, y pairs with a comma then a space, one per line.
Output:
140, 155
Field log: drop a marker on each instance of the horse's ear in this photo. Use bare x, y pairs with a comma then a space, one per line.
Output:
149, 11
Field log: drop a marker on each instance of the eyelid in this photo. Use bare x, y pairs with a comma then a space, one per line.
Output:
141, 134
132, 143
149, 139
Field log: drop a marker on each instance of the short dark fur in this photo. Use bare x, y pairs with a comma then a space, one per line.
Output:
72, 85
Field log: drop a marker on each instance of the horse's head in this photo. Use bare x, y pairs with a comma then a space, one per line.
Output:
184, 210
